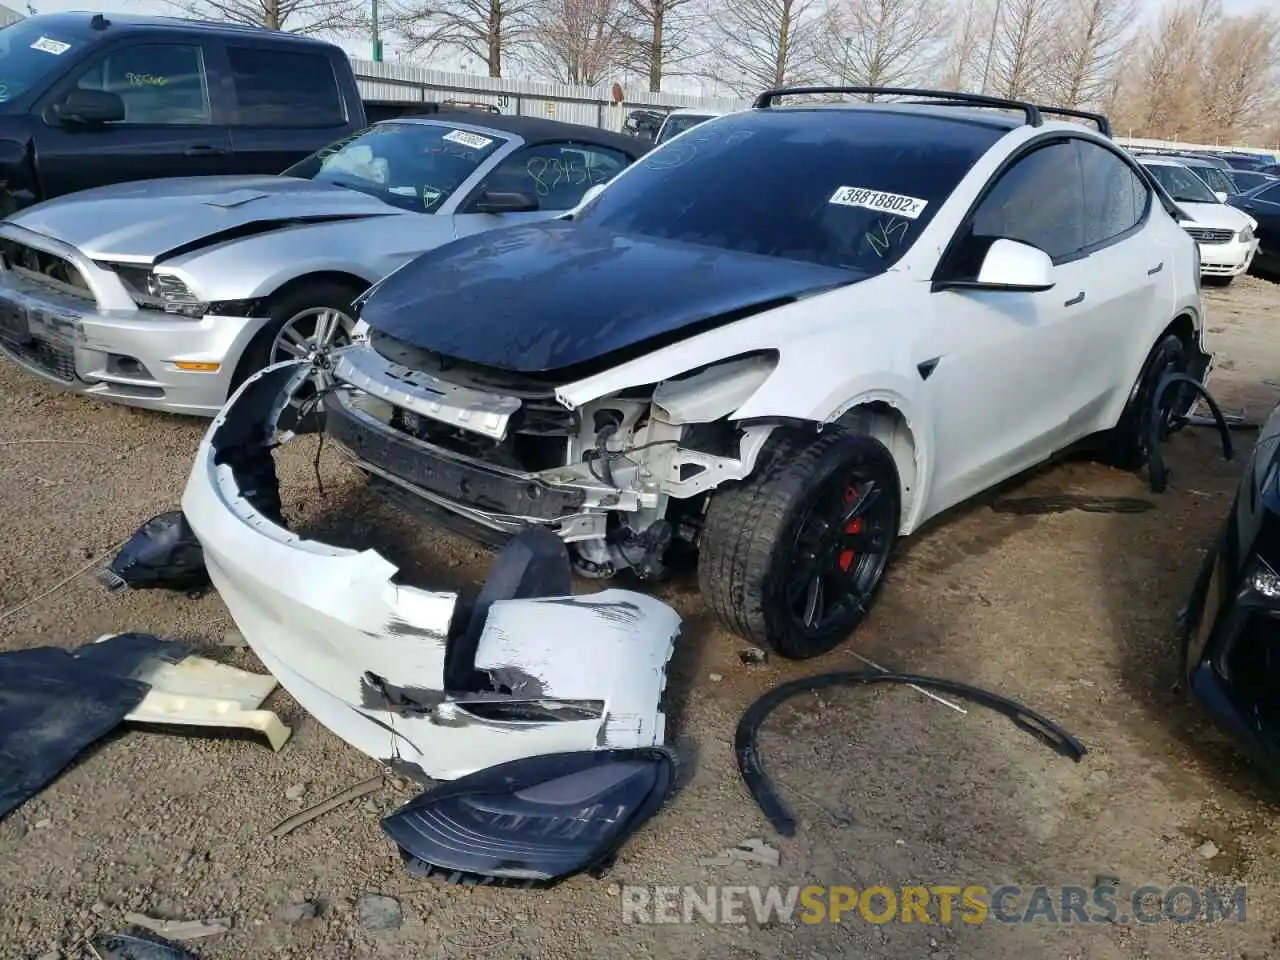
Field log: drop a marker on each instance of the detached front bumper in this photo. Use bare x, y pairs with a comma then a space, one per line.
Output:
1230, 259
366, 656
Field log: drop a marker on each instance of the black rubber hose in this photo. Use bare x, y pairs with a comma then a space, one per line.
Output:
1061, 503
746, 739
1156, 471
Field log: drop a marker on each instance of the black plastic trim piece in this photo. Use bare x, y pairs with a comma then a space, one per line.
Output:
1029, 110
746, 740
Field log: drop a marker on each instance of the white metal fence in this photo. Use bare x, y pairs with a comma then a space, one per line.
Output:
574, 104
558, 101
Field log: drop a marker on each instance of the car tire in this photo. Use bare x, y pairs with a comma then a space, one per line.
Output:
762, 538
1216, 281
1125, 446
288, 306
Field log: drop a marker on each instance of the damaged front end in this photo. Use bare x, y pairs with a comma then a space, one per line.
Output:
618, 478
396, 670
1231, 623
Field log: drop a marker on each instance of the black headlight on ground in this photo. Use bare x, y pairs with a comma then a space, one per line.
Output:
532, 821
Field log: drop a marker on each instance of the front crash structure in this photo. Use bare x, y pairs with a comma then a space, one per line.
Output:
396, 670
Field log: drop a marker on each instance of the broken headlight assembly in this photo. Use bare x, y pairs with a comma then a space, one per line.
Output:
163, 292
533, 821
1264, 580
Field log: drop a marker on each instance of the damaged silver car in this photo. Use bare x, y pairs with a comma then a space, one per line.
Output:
397, 670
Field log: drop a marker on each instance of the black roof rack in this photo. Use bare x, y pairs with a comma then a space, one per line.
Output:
1104, 125
1029, 110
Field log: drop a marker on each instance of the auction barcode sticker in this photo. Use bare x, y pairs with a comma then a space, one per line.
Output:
903, 206
472, 140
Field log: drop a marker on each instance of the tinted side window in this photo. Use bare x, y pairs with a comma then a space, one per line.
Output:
1115, 200
281, 88
1271, 194
1039, 200
158, 82
555, 174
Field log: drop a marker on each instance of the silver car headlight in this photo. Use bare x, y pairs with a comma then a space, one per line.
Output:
160, 291
1245, 235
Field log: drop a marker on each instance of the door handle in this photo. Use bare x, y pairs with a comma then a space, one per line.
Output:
1156, 269
1078, 298
203, 150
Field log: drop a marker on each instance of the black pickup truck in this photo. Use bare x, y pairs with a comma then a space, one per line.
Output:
91, 99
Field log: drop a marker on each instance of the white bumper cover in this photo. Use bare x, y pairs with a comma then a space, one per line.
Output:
366, 656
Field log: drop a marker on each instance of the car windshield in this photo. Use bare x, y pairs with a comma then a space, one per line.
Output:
1181, 184
842, 188
679, 124
30, 50
412, 165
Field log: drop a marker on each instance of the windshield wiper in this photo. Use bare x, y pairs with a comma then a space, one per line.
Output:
347, 185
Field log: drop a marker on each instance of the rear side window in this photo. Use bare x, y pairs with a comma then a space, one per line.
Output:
1271, 194
1115, 200
283, 88
1040, 201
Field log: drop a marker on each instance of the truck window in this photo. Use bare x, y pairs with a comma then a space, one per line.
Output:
279, 88
159, 82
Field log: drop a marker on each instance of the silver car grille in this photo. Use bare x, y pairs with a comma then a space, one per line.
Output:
1210, 234
45, 269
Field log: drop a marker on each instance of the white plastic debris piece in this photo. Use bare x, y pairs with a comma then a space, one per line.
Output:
754, 850
180, 929
204, 693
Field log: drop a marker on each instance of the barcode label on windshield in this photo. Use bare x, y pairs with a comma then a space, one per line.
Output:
910, 207
472, 140
56, 47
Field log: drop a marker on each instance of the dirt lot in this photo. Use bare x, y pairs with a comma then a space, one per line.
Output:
1070, 613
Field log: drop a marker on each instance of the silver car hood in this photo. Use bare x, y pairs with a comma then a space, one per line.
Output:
143, 221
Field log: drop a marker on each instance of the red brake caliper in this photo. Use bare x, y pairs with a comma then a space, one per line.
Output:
854, 527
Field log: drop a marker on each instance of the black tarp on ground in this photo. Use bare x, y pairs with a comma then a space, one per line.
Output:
54, 703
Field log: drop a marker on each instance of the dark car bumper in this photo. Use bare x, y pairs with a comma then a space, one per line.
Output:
1232, 620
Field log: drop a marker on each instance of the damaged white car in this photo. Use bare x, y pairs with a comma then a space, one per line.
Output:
785, 339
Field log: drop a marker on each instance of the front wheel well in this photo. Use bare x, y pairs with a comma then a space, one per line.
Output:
887, 424
357, 284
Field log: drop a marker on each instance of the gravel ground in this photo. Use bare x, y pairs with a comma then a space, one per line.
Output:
1069, 613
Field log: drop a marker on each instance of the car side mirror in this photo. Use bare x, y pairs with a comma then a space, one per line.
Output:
1009, 265
90, 107
492, 202
1221, 195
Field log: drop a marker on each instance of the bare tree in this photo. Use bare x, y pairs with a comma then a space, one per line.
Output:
489, 30
1023, 31
1091, 37
1165, 99
882, 43
758, 44
971, 27
1239, 79
661, 36
298, 16
578, 41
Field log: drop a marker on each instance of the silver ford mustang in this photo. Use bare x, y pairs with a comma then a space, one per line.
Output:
167, 294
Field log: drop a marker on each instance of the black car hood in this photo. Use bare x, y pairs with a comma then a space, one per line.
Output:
554, 295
